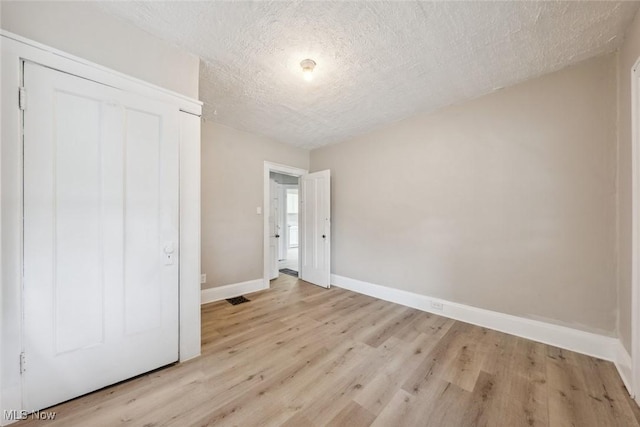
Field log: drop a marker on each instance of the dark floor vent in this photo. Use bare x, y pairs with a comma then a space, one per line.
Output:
237, 300
289, 271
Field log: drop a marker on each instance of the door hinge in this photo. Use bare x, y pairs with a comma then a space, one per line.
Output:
22, 98
23, 363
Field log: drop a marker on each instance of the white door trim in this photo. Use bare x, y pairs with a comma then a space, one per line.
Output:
54, 58
635, 221
266, 205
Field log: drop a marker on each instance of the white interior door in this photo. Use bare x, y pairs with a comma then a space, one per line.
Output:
100, 236
315, 228
274, 232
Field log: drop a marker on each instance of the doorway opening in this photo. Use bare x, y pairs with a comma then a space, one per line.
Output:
283, 221
313, 225
284, 250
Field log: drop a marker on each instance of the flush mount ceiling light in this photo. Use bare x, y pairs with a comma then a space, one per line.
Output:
307, 68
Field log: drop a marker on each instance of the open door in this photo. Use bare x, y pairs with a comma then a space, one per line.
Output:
315, 228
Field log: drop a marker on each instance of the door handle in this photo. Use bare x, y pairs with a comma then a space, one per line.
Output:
277, 236
324, 236
168, 253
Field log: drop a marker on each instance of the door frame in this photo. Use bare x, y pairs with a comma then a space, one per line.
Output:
635, 234
14, 51
266, 205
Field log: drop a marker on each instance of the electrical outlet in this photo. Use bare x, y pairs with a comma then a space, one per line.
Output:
203, 278
436, 305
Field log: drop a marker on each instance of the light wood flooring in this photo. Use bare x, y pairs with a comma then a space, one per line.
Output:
299, 355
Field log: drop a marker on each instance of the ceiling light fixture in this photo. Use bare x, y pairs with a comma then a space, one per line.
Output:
307, 68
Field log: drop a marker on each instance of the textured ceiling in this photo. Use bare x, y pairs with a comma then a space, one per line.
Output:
378, 62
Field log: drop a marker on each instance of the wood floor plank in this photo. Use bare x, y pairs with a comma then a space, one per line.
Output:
609, 401
421, 323
447, 357
392, 326
463, 363
298, 420
516, 370
527, 379
301, 355
352, 415
390, 377
438, 404
569, 402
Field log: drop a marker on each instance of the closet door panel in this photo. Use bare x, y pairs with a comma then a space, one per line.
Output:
100, 236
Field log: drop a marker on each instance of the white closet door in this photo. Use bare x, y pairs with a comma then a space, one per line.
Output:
315, 223
100, 236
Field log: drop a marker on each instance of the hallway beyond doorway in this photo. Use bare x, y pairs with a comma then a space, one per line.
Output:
291, 262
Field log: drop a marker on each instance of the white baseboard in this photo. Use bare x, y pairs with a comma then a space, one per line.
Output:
233, 290
623, 364
591, 344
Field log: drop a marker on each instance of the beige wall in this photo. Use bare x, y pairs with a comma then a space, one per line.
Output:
232, 189
628, 55
84, 30
506, 202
